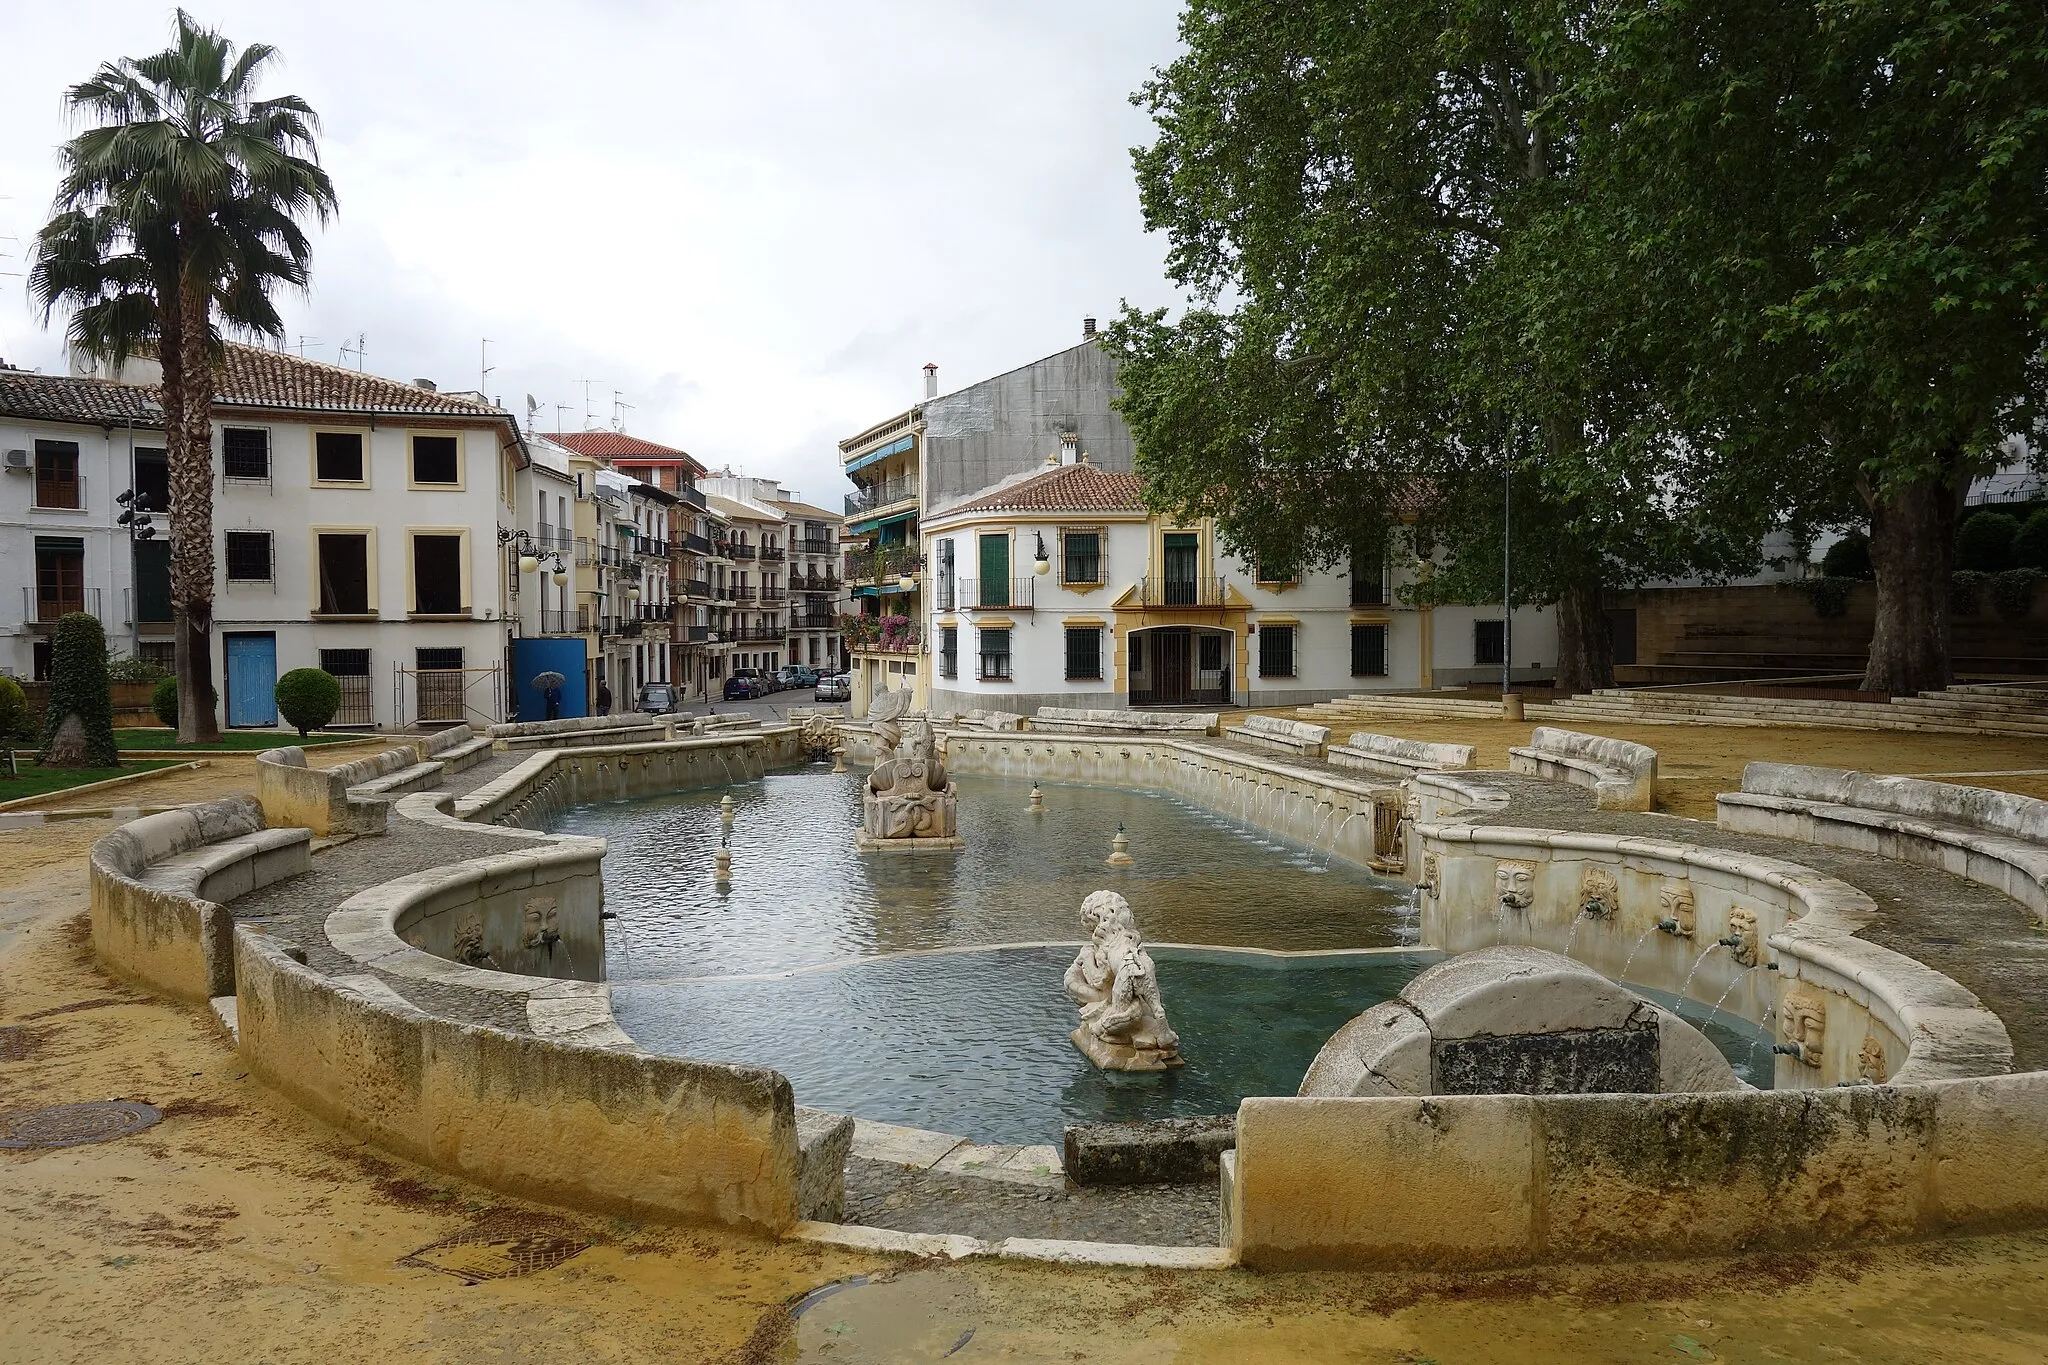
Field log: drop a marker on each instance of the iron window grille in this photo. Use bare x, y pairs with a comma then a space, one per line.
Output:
1276, 651
251, 557
1084, 653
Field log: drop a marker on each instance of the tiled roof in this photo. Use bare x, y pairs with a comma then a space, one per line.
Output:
1070, 488
617, 445
61, 398
253, 377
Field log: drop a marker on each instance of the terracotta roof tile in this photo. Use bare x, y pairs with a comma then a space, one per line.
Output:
62, 398
1070, 488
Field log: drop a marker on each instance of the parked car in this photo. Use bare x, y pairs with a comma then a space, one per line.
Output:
835, 687
796, 676
745, 684
660, 698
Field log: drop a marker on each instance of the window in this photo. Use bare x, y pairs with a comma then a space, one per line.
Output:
994, 587
1489, 642
1081, 557
1276, 651
245, 452
60, 576
1084, 653
57, 482
344, 562
338, 457
437, 575
437, 459
995, 655
1368, 651
249, 556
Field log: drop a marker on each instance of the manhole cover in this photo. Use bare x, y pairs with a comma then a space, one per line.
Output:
487, 1253
68, 1125
17, 1044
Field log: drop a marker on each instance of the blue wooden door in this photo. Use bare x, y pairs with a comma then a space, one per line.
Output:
252, 679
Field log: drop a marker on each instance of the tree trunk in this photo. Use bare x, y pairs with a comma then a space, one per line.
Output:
189, 453
1585, 654
1912, 550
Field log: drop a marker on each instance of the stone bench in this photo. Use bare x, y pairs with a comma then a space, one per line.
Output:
158, 884
1389, 756
320, 799
1996, 839
1286, 736
1094, 720
455, 748
1623, 776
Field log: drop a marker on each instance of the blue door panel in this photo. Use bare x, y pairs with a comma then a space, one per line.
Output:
252, 679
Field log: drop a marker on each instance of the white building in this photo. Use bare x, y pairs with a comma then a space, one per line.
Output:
355, 522
1059, 588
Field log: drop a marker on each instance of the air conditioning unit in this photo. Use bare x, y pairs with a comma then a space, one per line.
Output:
17, 459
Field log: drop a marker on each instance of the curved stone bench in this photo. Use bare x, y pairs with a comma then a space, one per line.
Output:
1390, 756
1286, 736
1623, 775
157, 884
1996, 839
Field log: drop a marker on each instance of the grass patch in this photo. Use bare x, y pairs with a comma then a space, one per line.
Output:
233, 739
36, 781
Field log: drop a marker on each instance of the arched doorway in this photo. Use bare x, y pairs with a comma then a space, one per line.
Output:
1180, 666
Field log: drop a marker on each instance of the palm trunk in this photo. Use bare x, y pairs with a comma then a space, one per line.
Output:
1585, 653
1912, 550
189, 453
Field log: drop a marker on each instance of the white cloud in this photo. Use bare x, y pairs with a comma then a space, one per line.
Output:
757, 221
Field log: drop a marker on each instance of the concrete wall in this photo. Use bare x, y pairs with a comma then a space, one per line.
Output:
1458, 1181
594, 1128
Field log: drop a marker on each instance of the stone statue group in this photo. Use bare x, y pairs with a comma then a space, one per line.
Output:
1123, 1020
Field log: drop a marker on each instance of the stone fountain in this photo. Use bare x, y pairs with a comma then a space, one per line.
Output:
1123, 1020
909, 805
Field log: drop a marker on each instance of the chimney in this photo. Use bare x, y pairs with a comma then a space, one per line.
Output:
1087, 329
429, 385
931, 379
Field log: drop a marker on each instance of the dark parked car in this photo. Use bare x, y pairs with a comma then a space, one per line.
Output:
660, 698
797, 676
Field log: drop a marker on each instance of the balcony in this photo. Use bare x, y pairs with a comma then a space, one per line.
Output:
874, 566
1176, 591
997, 594
879, 495
41, 608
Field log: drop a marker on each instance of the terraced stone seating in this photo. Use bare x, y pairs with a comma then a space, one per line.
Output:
322, 799
1390, 756
1069, 720
574, 731
1996, 839
158, 884
455, 748
1623, 776
989, 720
1286, 736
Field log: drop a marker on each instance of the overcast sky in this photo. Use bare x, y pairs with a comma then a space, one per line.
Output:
756, 220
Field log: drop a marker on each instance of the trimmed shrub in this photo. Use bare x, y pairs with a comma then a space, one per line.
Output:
2030, 546
308, 698
1848, 557
1985, 542
164, 701
14, 714
79, 688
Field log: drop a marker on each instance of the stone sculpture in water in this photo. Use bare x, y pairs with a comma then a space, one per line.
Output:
1113, 982
909, 800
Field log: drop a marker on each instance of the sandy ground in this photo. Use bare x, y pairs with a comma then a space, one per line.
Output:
239, 1228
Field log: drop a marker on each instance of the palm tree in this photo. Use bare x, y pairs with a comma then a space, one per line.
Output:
177, 215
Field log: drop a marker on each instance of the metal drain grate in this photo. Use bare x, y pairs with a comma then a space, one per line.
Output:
69, 1125
494, 1253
